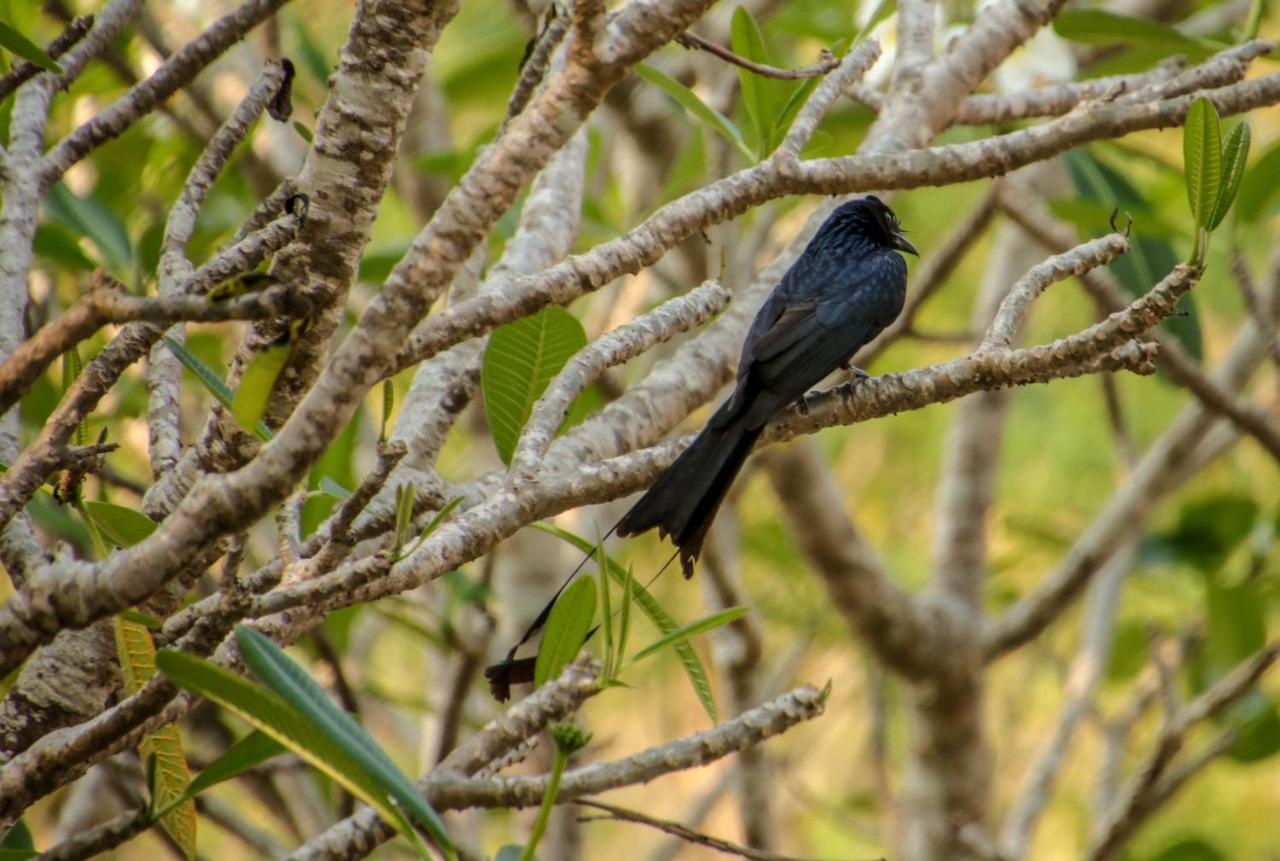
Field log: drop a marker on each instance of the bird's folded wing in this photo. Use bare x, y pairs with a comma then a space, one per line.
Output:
796, 323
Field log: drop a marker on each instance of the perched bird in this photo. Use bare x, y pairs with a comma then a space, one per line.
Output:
847, 285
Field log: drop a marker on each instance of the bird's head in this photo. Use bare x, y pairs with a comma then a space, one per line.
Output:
872, 218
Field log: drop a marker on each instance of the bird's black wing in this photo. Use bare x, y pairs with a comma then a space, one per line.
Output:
791, 367
796, 323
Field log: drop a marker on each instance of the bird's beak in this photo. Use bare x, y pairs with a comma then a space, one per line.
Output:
901, 243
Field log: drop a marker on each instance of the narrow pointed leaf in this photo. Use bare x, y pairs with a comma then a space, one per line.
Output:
624, 623
211, 380
1235, 150
706, 623
278, 719
699, 110
279, 673
1260, 186
18, 44
566, 630
606, 616
388, 405
254, 748
269, 713
747, 41
330, 487
405, 498
259, 380
94, 220
71, 368
1101, 27
438, 519
162, 748
657, 615
1202, 159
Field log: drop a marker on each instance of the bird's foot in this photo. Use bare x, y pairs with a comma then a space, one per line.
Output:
855, 372
802, 404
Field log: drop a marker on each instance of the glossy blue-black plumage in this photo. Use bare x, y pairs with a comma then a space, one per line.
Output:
848, 284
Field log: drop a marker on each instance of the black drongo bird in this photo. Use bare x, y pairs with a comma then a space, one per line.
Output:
849, 283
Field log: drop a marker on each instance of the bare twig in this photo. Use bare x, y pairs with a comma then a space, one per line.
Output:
1150, 788
697, 838
108, 303
693, 41
171, 75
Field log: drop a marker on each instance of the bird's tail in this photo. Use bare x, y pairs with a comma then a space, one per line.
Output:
681, 503
684, 500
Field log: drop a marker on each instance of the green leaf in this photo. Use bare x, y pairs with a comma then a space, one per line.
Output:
610, 657
1101, 188
314, 58
624, 623
1202, 159
590, 401
88, 217
124, 526
388, 406
269, 713
19, 44
699, 110
657, 615
254, 748
1237, 625
71, 368
764, 98
438, 519
161, 749
136, 652
329, 487
1235, 150
1190, 849
883, 10
60, 245
211, 381
146, 620
259, 380
1261, 183
19, 838
1129, 650
164, 748
303, 132
795, 102
566, 630
510, 852
1258, 728
520, 360
1209, 529
279, 673
405, 498
1099, 27
706, 623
